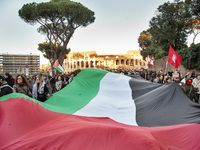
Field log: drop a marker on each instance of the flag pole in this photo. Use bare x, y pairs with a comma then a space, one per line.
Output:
165, 71
166, 67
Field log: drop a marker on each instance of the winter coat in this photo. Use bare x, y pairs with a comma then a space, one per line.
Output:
40, 92
48, 85
5, 89
189, 91
22, 89
59, 85
10, 81
196, 84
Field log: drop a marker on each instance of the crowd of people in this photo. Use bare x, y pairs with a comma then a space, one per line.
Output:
42, 86
190, 83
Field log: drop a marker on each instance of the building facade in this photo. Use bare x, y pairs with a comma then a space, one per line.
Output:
90, 59
19, 64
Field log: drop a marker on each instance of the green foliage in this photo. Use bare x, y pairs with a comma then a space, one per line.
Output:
191, 57
57, 11
58, 19
28, 13
144, 39
49, 50
169, 27
193, 7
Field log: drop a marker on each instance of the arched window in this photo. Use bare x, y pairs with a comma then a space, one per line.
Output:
78, 64
122, 62
82, 64
127, 62
117, 62
136, 62
87, 64
96, 63
92, 64
132, 62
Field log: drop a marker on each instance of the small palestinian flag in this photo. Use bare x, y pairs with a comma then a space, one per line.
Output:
58, 66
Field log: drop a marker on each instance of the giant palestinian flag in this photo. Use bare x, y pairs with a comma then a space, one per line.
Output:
100, 110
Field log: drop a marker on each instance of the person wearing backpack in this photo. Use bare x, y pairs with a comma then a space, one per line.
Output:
4, 87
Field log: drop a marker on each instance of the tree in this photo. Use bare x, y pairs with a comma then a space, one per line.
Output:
193, 9
144, 39
169, 27
190, 57
46, 48
145, 44
195, 28
58, 19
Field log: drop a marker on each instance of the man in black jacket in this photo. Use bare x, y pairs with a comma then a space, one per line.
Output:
4, 87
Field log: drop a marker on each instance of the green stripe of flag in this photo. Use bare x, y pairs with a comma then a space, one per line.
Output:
59, 68
74, 96
78, 93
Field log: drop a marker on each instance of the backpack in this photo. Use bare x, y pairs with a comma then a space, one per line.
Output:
6, 85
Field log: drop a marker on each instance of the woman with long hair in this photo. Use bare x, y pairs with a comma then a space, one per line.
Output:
40, 90
59, 83
22, 85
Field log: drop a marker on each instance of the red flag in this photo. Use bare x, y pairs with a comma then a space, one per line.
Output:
174, 58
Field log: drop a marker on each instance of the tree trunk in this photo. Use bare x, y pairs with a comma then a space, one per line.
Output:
52, 69
195, 35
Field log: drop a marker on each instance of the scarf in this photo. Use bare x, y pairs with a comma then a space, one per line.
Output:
38, 89
20, 84
41, 88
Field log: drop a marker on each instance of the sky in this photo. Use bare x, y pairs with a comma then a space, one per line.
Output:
116, 29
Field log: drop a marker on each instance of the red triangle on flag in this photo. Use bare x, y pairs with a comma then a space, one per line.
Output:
56, 63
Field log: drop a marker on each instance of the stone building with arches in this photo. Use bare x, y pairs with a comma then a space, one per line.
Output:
90, 59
